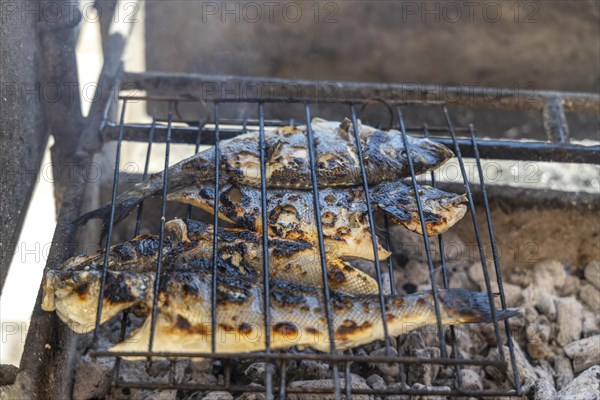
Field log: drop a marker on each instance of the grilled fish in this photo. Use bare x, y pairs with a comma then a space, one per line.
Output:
288, 165
73, 289
298, 316
344, 218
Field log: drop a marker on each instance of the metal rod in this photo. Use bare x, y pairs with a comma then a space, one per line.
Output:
488, 217
211, 87
163, 208
477, 236
282, 379
91, 141
445, 281
138, 219
555, 122
201, 123
140, 210
317, 209
110, 225
434, 288
265, 250
496, 149
215, 234
365, 184
390, 246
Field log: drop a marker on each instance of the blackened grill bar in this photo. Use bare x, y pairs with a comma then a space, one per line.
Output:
511, 99
488, 148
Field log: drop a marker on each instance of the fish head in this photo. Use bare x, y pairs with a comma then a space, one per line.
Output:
74, 295
138, 254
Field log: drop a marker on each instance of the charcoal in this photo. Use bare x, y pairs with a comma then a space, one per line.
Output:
398, 387
376, 382
564, 371
537, 338
461, 279
256, 372
546, 305
391, 369
513, 294
310, 369
471, 379
356, 382
528, 374
253, 395
92, 380
569, 320
549, 276
160, 395
571, 286
413, 340
419, 386
585, 386
590, 324
470, 340
424, 372
199, 373
590, 296
522, 276
584, 352
8, 374
218, 396
476, 275
542, 390
592, 273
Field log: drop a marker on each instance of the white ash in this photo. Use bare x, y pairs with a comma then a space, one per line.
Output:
584, 353
590, 296
218, 396
586, 386
592, 273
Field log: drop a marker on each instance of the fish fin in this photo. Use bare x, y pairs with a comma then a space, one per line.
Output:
273, 151
471, 307
345, 278
123, 208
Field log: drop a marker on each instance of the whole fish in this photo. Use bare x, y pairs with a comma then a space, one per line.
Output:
344, 218
287, 162
73, 289
297, 312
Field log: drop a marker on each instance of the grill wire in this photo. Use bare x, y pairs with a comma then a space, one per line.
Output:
334, 358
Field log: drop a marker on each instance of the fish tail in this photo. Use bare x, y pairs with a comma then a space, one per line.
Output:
123, 208
465, 306
126, 202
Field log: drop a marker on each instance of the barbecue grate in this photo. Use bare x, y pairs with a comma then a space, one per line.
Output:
194, 136
210, 130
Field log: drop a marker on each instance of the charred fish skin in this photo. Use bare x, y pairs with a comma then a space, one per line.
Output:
297, 316
344, 217
290, 216
288, 164
73, 289
294, 260
441, 210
